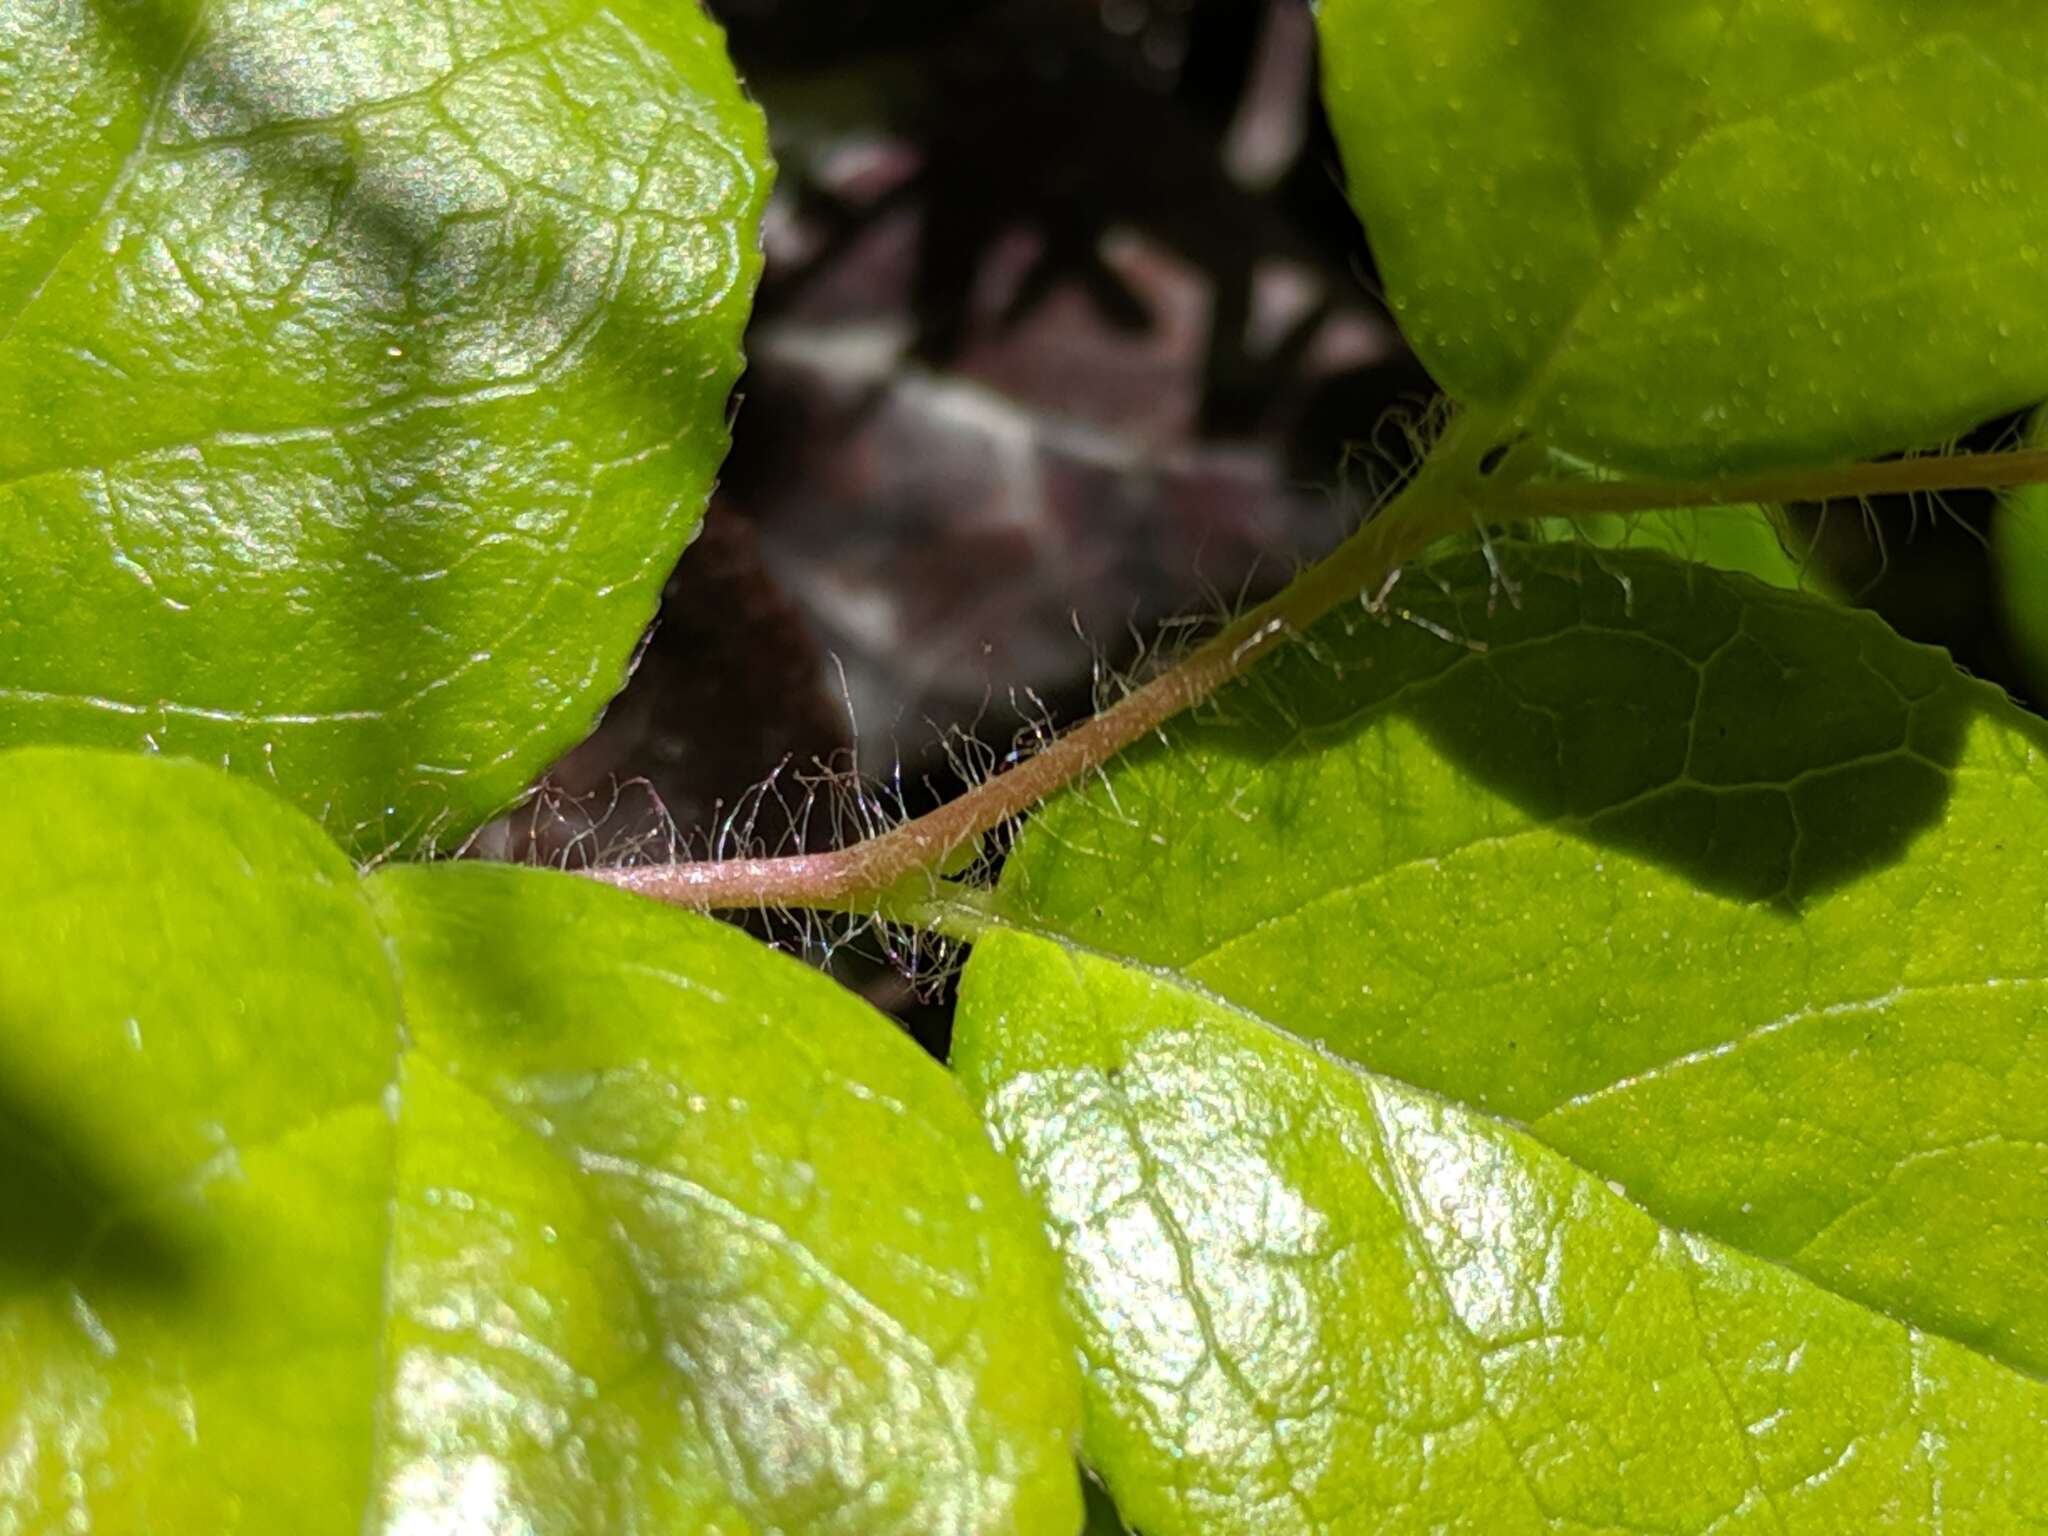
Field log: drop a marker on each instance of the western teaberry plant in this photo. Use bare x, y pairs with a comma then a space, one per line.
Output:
1507, 1036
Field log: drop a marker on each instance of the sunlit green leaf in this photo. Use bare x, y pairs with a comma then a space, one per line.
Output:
475, 1199
1677, 905
1316, 1300
363, 370
1687, 236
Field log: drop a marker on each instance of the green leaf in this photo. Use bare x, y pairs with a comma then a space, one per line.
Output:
1694, 236
475, 1198
365, 372
2019, 544
1316, 1300
1685, 906
1739, 539
1753, 540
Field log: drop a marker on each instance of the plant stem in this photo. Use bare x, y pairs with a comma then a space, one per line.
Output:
854, 878
1449, 493
1928, 475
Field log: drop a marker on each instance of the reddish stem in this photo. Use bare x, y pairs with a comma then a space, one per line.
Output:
1449, 491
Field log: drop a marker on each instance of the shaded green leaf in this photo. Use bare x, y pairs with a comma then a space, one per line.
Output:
2019, 542
1746, 540
366, 371
1724, 897
1103, 1519
475, 1198
1691, 236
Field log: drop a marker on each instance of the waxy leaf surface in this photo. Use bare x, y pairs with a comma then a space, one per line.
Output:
363, 371
475, 1199
1701, 928
1692, 236
1317, 1300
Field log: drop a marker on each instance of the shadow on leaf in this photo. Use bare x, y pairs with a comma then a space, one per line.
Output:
65, 1217
1770, 747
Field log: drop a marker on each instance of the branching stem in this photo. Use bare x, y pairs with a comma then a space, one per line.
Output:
1451, 492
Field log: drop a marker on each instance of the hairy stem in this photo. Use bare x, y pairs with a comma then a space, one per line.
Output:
1450, 492
856, 877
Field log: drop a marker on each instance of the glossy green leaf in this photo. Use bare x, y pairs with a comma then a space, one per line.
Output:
1695, 906
475, 1199
1689, 236
1316, 1300
363, 370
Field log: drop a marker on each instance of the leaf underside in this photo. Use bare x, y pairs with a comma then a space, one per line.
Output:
1743, 539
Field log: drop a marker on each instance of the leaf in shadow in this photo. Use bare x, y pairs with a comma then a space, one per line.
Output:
67, 1214
1769, 746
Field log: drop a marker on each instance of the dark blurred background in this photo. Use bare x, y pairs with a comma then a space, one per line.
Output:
1068, 343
